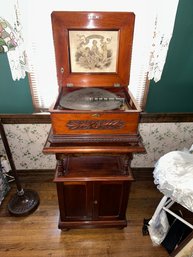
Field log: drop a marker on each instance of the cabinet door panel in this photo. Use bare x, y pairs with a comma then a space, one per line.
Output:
76, 205
110, 199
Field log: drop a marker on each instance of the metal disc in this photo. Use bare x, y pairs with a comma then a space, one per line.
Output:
81, 100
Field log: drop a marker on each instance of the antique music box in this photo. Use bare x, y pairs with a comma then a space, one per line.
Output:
93, 56
94, 118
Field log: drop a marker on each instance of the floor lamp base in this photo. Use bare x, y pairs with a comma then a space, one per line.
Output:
23, 202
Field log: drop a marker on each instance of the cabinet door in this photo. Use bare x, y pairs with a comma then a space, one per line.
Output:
110, 199
75, 200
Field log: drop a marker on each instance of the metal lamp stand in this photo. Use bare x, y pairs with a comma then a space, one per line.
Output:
25, 201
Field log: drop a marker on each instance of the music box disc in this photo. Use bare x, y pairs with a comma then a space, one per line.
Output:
90, 99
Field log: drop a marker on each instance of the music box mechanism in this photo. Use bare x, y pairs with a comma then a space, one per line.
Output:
93, 58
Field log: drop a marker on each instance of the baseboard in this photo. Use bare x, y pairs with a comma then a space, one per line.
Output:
143, 173
32, 176
139, 174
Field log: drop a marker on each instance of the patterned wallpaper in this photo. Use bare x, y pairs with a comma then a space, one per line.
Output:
27, 141
161, 138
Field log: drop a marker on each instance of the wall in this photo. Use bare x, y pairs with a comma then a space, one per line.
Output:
173, 93
167, 90
27, 141
15, 96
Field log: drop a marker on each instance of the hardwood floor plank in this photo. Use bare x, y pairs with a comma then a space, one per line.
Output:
37, 235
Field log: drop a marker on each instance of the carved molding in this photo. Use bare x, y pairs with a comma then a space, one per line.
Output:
124, 163
129, 140
95, 124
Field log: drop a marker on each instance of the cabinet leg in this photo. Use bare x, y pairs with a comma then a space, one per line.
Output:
63, 165
125, 162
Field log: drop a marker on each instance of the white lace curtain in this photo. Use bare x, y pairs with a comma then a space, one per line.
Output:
165, 13
153, 31
17, 58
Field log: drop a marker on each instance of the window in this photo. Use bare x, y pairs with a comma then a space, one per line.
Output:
153, 29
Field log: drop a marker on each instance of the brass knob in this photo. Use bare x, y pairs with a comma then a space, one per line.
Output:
95, 202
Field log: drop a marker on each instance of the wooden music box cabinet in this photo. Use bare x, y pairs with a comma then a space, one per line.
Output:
94, 118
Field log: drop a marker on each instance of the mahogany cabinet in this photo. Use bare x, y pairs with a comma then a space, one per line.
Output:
89, 199
94, 119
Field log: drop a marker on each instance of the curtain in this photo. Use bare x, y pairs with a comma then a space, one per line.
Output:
153, 30
165, 13
17, 57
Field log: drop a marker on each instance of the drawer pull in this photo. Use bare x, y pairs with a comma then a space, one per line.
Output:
95, 202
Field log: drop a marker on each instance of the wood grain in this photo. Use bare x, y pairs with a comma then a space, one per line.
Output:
37, 235
63, 22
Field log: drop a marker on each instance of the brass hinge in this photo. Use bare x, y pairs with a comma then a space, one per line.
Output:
116, 85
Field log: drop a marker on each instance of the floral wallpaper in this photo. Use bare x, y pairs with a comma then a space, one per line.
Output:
4, 186
27, 141
161, 138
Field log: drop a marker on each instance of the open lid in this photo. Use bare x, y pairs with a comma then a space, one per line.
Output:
93, 49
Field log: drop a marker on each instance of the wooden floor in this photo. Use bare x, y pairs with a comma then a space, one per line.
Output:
37, 235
